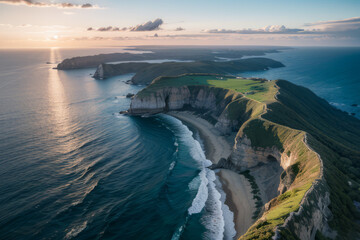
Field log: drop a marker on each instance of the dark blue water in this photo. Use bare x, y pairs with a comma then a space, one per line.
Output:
72, 167
332, 73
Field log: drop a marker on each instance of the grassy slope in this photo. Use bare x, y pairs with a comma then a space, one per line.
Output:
336, 137
259, 90
283, 121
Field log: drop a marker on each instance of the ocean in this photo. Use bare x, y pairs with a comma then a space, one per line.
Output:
333, 73
72, 167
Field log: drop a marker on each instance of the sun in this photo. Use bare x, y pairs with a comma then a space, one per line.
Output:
55, 37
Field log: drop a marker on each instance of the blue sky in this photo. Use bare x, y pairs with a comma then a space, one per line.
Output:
51, 23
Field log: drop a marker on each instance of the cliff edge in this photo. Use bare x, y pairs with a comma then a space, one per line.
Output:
289, 141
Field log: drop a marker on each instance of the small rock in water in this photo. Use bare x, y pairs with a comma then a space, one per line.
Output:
130, 95
354, 105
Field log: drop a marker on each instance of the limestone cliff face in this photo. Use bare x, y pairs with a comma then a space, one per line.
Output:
313, 214
199, 98
168, 99
225, 124
245, 156
164, 100
271, 167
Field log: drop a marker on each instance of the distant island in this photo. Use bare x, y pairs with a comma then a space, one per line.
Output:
180, 53
146, 72
300, 155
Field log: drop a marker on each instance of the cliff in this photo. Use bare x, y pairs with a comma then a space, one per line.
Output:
292, 142
146, 72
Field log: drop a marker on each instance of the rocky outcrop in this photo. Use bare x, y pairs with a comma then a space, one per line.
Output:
245, 156
313, 214
164, 100
99, 74
199, 98
274, 169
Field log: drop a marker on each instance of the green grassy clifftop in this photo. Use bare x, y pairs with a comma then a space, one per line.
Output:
316, 145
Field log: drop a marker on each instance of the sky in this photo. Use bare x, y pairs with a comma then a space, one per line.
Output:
109, 23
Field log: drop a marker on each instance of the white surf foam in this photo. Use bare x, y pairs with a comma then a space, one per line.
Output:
76, 230
213, 219
201, 196
195, 183
172, 165
217, 218
118, 115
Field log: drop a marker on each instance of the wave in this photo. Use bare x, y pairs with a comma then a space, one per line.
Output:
172, 165
118, 115
195, 183
180, 230
229, 230
216, 215
213, 220
76, 230
201, 196
337, 104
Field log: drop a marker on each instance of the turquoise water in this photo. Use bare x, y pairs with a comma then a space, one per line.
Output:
71, 167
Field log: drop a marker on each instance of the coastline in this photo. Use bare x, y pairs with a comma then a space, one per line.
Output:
236, 187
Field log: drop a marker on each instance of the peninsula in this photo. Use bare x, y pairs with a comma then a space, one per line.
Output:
298, 157
180, 53
146, 72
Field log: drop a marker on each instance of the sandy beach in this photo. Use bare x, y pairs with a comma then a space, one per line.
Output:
237, 188
216, 146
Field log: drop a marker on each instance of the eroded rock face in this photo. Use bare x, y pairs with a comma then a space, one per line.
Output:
174, 98
224, 124
245, 156
312, 216
99, 74
266, 164
165, 99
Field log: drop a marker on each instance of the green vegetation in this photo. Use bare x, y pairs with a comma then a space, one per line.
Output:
267, 134
302, 127
146, 72
267, 131
259, 90
155, 53
335, 136
256, 193
238, 107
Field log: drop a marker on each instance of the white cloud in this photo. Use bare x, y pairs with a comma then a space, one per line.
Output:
148, 26
271, 29
31, 3
179, 29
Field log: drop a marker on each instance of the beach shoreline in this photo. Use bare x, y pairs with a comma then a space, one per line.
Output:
239, 198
